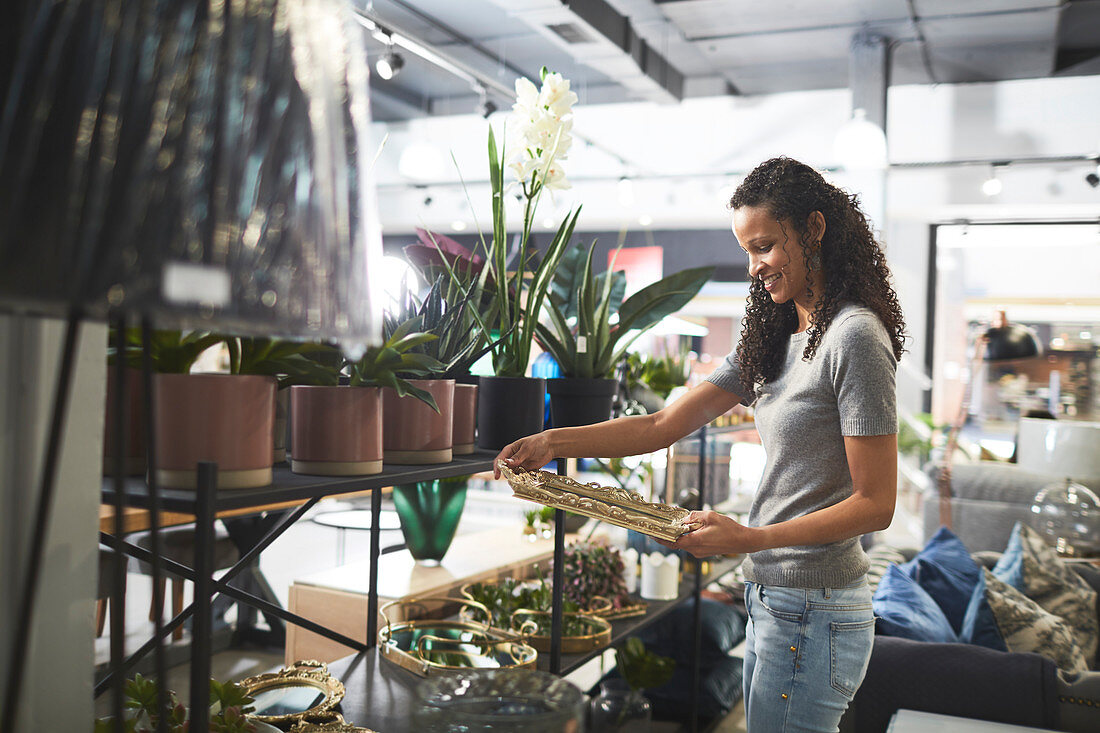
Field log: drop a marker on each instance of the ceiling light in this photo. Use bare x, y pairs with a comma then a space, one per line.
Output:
992, 185
645, 220
388, 65
860, 143
458, 225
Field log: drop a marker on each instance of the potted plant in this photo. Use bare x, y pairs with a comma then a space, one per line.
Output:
467, 300
418, 413
288, 362
224, 418
445, 311
510, 404
336, 430
589, 351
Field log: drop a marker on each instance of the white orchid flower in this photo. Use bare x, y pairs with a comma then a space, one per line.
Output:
527, 94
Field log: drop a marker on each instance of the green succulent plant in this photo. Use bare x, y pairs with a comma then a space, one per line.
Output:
290, 362
395, 361
171, 352
228, 699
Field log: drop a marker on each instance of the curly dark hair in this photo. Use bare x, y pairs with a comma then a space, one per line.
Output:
852, 262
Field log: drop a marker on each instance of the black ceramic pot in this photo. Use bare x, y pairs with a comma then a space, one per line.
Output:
580, 401
509, 408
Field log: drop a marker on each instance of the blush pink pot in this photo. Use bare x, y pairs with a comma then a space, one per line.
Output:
335, 431
413, 432
224, 418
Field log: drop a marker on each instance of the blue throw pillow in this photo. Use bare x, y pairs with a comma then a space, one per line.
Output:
902, 608
949, 552
950, 590
1010, 567
979, 624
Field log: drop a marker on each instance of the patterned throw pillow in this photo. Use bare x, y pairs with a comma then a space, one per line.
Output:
1033, 567
1026, 627
881, 557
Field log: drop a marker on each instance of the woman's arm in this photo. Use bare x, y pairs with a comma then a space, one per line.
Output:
873, 463
625, 436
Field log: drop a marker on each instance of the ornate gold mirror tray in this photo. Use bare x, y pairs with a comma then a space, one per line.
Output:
429, 646
335, 724
611, 504
294, 694
582, 629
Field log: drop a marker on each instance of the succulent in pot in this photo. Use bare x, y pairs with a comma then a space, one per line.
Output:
337, 429
420, 430
227, 419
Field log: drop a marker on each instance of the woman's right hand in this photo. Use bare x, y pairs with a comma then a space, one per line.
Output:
527, 453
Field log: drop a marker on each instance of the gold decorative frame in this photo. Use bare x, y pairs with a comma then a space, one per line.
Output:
613, 505
306, 672
336, 724
414, 660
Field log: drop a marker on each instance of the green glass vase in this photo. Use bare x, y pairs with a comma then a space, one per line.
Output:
429, 513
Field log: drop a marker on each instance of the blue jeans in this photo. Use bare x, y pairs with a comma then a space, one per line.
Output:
806, 654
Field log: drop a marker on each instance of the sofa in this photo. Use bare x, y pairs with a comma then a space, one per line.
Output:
988, 498
968, 679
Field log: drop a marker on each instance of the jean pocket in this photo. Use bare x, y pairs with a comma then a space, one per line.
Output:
850, 650
791, 608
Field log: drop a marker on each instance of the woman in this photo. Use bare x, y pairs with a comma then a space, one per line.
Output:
819, 346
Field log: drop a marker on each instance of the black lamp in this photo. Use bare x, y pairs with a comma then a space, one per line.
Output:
1003, 341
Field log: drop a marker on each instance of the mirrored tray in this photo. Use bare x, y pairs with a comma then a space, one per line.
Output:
611, 504
429, 646
597, 631
303, 690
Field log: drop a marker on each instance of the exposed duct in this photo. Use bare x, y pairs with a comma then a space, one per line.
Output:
598, 36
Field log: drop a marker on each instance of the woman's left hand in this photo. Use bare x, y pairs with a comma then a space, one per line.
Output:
712, 534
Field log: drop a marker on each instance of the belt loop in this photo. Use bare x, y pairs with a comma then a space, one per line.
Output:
828, 593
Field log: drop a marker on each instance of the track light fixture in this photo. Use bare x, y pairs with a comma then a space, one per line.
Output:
1093, 177
389, 64
992, 185
485, 106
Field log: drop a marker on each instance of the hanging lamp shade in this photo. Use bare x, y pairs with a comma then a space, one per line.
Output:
205, 162
1010, 341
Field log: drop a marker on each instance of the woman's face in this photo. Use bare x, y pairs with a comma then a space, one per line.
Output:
775, 254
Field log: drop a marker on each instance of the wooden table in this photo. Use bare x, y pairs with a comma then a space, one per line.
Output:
137, 519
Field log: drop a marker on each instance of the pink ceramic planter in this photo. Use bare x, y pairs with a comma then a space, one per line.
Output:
133, 455
227, 419
335, 431
415, 433
465, 419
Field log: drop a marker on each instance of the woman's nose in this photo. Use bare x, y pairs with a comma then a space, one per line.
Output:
754, 265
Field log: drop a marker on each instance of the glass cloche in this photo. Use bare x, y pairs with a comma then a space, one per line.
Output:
1067, 515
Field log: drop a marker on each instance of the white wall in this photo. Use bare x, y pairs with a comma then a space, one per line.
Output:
57, 688
688, 154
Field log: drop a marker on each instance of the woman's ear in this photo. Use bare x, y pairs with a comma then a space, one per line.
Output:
815, 226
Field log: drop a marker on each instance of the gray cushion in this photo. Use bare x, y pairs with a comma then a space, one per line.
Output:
178, 545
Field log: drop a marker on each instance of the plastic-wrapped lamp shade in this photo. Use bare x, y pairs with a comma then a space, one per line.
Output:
204, 162
1067, 515
508, 701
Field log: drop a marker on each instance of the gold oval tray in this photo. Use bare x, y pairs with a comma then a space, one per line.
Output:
430, 646
610, 504
576, 644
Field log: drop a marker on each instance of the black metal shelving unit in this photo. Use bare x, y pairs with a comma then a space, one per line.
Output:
378, 693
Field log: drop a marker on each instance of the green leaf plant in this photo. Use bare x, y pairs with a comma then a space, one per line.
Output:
290, 362
447, 313
228, 703
641, 668
171, 352
396, 361
593, 346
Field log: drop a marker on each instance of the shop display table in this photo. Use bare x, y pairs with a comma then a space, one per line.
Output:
337, 598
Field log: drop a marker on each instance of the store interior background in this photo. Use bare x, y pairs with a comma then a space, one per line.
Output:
1013, 86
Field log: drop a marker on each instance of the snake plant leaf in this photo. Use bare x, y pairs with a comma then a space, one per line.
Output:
664, 297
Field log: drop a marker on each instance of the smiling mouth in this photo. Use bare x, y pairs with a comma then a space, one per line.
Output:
769, 281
